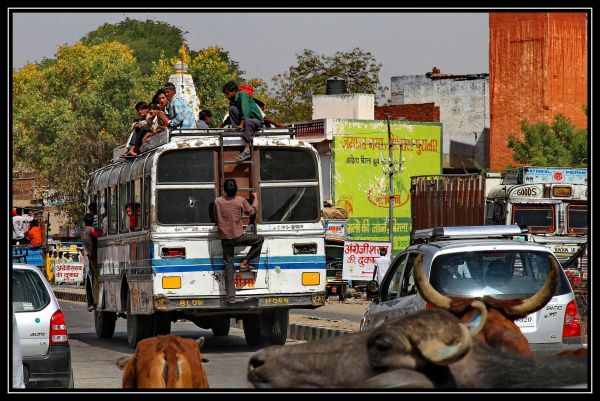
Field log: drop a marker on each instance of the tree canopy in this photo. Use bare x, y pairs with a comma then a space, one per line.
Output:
557, 144
70, 114
293, 90
148, 39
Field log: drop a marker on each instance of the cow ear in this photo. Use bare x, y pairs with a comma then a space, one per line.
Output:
200, 341
122, 361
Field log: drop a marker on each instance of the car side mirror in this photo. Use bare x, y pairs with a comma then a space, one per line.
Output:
373, 290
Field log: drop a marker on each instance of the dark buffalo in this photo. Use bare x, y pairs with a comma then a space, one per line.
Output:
428, 349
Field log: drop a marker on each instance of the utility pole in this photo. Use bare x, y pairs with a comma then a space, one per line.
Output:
391, 185
392, 168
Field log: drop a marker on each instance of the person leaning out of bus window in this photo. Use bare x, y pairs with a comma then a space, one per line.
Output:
228, 210
133, 213
89, 237
34, 235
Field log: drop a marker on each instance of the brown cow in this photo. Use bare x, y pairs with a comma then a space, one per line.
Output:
165, 362
500, 330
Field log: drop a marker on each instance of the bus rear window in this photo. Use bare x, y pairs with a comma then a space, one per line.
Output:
539, 219
299, 204
287, 165
186, 166
577, 222
185, 206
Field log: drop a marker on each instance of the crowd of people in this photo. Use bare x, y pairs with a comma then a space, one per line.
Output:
169, 110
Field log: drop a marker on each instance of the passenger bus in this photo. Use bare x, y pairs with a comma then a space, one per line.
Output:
552, 202
163, 262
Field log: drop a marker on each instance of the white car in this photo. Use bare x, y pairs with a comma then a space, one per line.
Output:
42, 330
475, 261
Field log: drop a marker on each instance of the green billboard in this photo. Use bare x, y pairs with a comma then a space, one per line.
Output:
360, 173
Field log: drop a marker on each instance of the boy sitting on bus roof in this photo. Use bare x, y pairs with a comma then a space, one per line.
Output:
244, 114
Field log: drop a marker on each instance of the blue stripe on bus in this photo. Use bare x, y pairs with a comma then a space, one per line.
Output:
205, 264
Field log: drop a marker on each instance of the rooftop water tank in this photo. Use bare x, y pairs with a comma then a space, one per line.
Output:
336, 86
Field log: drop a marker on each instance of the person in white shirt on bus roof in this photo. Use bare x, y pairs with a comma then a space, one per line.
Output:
382, 263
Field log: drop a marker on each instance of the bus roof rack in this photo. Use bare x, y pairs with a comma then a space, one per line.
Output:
462, 232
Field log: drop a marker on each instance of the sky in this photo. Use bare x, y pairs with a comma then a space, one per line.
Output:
266, 43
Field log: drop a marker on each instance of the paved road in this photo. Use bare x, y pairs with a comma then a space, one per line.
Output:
94, 358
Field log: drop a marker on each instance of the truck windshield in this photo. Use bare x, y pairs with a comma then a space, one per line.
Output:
577, 222
538, 218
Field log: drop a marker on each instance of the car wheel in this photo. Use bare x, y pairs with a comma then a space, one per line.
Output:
105, 323
139, 327
221, 326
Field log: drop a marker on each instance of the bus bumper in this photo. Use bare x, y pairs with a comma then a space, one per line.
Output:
167, 304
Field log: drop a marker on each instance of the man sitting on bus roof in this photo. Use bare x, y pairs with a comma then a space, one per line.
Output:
180, 113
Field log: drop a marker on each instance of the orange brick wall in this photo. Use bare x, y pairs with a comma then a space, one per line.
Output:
538, 68
412, 112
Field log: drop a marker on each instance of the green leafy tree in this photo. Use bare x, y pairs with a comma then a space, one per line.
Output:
148, 39
211, 68
68, 115
293, 90
558, 144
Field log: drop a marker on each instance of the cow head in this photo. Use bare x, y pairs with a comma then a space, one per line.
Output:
165, 362
345, 361
500, 331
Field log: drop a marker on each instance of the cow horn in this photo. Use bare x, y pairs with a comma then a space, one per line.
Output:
426, 290
440, 353
200, 341
478, 319
544, 295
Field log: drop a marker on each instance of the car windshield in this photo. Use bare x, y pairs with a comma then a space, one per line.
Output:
502, 274
29, 293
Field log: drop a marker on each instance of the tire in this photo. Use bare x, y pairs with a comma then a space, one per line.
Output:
221, 326
252, 331
139, 327
72, 381
105, 323
277, 322
162, 324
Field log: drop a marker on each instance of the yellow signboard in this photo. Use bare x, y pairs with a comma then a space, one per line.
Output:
361, 169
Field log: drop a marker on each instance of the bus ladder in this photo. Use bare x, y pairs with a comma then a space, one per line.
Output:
250, 163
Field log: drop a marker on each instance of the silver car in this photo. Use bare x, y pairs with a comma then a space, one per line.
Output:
501, 268
42, 330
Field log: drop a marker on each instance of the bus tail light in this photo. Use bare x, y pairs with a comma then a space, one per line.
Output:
58, 329
572, 325
172, 252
